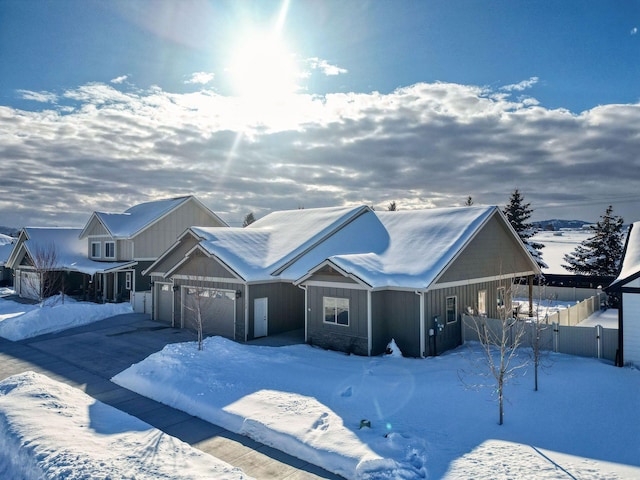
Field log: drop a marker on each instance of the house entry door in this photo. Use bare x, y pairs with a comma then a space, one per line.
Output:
260, 317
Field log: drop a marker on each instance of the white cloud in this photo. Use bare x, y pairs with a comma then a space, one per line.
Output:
325, 67
120, 79
523, 85
421, 145
201, 78
634, 30
42, 97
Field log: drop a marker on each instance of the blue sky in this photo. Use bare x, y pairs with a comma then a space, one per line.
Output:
105, 104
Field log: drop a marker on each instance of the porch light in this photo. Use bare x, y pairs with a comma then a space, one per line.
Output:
238, 293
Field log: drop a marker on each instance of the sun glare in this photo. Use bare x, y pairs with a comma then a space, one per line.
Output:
263, 68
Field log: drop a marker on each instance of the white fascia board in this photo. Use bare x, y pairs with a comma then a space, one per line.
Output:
473, 281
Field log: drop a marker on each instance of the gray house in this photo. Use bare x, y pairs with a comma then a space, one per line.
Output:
6, 274
351, 277
138, 236
627, 287
48, 260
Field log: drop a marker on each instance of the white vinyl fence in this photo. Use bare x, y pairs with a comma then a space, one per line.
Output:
142, 302
575, 314
597, 342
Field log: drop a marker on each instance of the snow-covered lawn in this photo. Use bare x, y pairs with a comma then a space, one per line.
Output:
557, 245
19, 321
50, 430
425, 420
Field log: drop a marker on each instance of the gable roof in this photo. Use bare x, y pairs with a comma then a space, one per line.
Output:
267, 247
139, 217
421, 244
630, 268
70, 250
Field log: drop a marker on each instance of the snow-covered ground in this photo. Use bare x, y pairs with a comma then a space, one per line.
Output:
425, 420
50, 430
19, 321
557, 245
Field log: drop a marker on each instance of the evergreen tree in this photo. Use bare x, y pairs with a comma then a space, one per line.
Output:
392, 207
518, 212
248, 219
469, 201
601, 253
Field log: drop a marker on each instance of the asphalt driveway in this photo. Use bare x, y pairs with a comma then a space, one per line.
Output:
87, 357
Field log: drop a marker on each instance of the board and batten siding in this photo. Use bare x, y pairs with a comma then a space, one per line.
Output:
153, 241
631, 323
285, 306
352, 338
493, 251
467, 302
176, 254
199, 265
96, 228
395, 315
124, 250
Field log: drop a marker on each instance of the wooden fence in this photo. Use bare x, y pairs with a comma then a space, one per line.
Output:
596, 342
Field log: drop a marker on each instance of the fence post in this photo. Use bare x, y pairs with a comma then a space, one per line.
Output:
556, 332
599, 339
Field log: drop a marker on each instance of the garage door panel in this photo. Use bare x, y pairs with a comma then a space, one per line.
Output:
217, 309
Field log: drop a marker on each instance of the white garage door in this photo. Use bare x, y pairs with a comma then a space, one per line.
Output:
217, 308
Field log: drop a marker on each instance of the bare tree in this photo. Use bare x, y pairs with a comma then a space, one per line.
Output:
499, 340
47, 279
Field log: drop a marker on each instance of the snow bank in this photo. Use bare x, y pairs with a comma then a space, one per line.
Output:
51, 430
19, 321
425, 422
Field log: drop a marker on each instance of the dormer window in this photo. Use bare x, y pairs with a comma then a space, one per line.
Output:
95, 249
109, 249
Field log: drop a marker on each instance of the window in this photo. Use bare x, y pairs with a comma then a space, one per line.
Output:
482, 302
500, 297
95, 249
127, 280
452, 309
336, 310
109, 249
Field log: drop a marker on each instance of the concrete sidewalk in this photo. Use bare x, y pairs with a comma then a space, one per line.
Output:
87, 357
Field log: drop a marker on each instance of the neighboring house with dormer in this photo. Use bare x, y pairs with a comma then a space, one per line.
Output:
139, 235
48, 260
351, 278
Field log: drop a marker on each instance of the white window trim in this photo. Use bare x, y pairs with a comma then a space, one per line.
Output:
324, 299
99, 255
106, 249
446, 308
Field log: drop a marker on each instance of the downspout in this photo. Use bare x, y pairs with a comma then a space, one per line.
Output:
246, 312
621, 331
369, 324
306, 310
422, 325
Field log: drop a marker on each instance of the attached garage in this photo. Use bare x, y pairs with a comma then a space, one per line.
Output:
28, 285
164, 302
216, 308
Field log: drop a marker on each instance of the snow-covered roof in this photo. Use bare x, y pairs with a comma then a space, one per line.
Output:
259, 251
5, 251
405, 249
70, 250
631, 260
420, 244
133, 220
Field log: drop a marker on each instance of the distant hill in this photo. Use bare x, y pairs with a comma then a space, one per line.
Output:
556, 224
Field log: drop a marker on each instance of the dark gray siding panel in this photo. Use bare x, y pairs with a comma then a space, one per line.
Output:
285, 304
143, 282
396, 315
351, 338
202, 266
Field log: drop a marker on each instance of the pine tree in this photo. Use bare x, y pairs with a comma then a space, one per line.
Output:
392, 207
469, 201
599, 254
248, 219
518, 212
